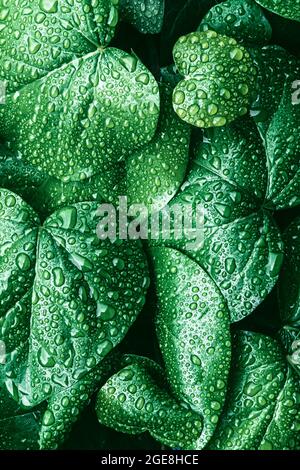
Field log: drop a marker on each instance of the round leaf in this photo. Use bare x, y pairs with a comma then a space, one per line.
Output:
219, 79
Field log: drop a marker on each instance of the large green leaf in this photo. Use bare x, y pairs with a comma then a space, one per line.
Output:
243, 20
287, 8
136, 400
219, 79
263, 408
194, 336
146, 15
59, 111
156, 171
237, 241
66, 298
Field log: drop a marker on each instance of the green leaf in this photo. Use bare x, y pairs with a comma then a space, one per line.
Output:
219, 79
146, 15
283, 151
287, 8
136, 400
66, 298
60, 112
235, 238
262, 409
156, 171
194, 336
241, 19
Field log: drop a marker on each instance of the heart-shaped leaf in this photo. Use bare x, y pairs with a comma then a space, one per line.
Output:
235, 239
59, 110
66, 298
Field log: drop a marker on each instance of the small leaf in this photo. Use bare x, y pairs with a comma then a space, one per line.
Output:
219, 79
242, 20
136, 400
194, 336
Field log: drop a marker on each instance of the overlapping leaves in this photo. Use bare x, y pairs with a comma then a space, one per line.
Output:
155, 172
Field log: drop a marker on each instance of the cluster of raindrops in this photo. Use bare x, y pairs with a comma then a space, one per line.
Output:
283, 150
230, 189
219, 79
83, 123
